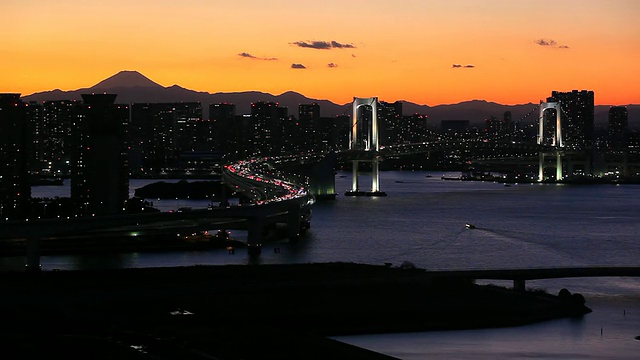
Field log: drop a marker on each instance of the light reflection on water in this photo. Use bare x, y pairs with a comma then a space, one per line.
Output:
422, 221
606, 333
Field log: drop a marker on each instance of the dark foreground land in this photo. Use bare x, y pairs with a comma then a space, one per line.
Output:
246, 312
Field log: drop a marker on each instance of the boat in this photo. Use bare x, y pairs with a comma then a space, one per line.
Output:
469, 226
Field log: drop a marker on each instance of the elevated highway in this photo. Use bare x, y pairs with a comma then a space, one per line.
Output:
273, 199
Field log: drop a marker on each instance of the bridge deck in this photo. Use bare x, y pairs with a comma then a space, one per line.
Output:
541, 273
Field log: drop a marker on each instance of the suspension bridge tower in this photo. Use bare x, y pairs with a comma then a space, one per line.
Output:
364, 144
550, 134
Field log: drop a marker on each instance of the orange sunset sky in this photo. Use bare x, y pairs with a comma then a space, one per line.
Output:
428, 52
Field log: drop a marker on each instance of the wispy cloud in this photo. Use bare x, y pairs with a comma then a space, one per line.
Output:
459, 66
550, 43
546, 42
323, 45
332, 65
337, 45
298, 66
249, 56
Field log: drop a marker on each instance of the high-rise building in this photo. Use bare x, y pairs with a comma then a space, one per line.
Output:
192, 133
307, 132
15, 144
618, 120
99, 166
341, 132
577, 117
267, 128
414, 128
161, 132
226, 131
309, 111
390, 125
36, 127
509, 126
492, 128
54, 137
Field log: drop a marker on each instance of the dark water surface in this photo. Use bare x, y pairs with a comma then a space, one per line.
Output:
422, 220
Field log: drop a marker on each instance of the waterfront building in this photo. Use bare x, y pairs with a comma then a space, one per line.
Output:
161, 132
15, 145
499, 129
509, 126
307, 133
35, 116
391, 129
327, 134
492, 128
267, 128
99, 159
312, 132
577, 117
54, 137
618, 122
414, 129
341, 131
309, 112
225, 129
507, 120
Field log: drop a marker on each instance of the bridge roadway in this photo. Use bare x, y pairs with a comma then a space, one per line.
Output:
186, 220
519, 276
274, 200
488, 147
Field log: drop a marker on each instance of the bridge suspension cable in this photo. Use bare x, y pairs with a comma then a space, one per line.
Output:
533, 124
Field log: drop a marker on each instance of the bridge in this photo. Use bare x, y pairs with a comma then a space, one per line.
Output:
519, 276
557, 156
364, 144
273, 199
279, 197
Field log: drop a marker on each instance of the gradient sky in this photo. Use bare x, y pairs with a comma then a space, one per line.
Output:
428, 52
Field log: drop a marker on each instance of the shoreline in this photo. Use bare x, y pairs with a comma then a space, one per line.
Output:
218, 310
120, 244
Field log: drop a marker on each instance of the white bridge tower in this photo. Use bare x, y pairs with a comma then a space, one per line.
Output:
554, 140
364, 144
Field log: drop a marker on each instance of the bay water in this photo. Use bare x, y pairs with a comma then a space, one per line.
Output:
422, 221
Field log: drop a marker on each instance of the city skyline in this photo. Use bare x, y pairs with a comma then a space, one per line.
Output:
424, 52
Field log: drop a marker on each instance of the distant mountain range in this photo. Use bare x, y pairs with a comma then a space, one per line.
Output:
133, 87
